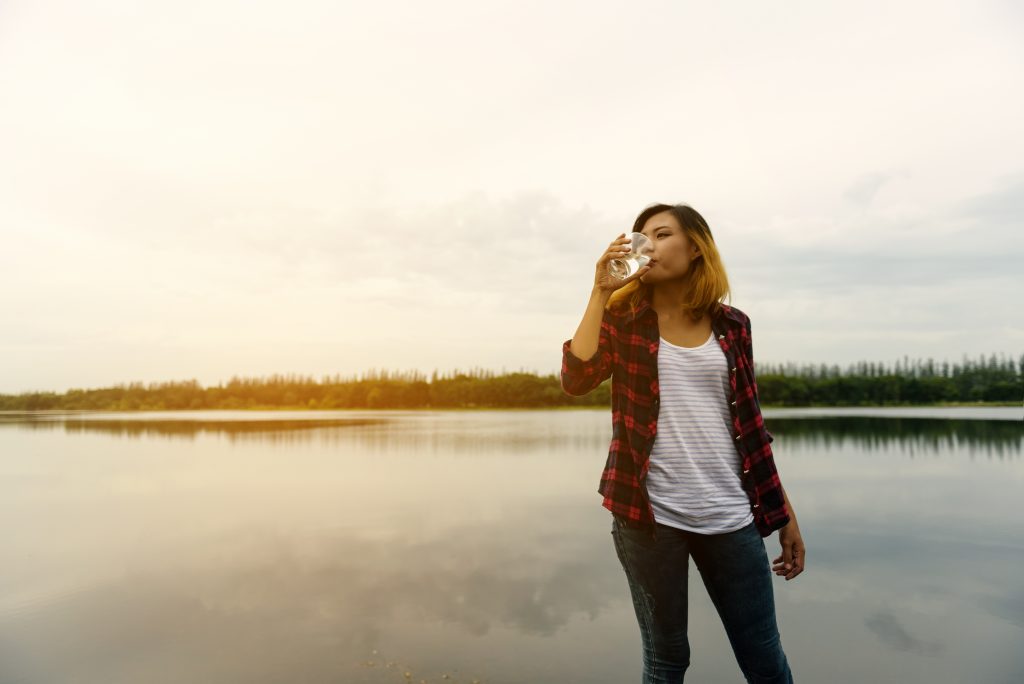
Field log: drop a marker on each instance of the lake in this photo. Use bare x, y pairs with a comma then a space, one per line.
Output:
396, 546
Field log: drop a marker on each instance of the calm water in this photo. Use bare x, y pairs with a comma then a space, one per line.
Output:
359, 546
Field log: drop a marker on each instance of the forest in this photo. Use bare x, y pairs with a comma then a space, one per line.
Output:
986, 380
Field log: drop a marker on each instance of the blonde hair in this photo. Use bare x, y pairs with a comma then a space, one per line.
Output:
709, 284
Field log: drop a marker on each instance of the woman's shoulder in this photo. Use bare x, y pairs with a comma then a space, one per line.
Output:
736, 315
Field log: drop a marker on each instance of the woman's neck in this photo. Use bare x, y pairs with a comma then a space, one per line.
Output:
667, 300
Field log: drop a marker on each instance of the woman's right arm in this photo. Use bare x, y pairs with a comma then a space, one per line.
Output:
587, 357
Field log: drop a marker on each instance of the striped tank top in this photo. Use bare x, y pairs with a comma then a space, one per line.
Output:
694, 476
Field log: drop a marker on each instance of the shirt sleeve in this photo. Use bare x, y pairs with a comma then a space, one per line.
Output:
750, 355
581, 376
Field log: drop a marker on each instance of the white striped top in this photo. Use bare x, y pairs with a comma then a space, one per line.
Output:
694, 476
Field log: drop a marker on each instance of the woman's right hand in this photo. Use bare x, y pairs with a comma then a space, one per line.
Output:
604, 281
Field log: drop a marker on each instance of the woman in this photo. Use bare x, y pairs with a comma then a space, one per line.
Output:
690, 470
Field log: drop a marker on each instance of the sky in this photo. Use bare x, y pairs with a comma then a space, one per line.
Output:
202, 190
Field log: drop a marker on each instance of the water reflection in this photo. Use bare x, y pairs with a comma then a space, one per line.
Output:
433, 431
266, 430
263, 605
998, 438
355, 548
514, 431
889, 629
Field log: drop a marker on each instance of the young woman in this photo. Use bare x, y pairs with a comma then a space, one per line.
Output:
690, 470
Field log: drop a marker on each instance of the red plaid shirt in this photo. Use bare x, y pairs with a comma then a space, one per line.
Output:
628, 352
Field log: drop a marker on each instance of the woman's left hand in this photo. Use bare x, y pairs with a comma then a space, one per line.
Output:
791, 562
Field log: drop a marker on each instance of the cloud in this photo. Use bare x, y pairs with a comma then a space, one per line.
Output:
305, 188
865, 188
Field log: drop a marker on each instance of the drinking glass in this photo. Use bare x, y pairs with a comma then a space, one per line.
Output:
640, 251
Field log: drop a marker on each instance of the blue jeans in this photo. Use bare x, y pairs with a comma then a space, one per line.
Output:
737, 575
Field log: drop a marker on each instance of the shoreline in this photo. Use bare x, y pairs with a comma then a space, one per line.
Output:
506, 408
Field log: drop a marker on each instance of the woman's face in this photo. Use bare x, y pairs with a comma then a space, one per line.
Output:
673, 249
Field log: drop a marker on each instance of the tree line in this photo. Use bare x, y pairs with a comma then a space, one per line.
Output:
907, 382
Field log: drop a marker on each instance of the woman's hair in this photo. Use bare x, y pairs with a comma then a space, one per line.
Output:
708, 283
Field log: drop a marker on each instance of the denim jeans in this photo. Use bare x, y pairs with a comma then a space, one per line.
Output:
735, 569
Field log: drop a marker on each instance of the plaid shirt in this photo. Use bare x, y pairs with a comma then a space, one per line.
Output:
628, 352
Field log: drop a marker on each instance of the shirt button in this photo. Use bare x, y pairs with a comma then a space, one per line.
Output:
737, 436
734, 369
746, 471
721, 337
734, 403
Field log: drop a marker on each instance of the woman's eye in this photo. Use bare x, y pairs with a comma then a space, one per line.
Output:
662, 234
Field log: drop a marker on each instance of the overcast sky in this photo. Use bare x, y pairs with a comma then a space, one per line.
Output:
202, 189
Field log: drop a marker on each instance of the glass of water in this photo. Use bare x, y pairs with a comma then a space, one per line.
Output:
640, 251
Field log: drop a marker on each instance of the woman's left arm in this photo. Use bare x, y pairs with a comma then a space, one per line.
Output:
791, 562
